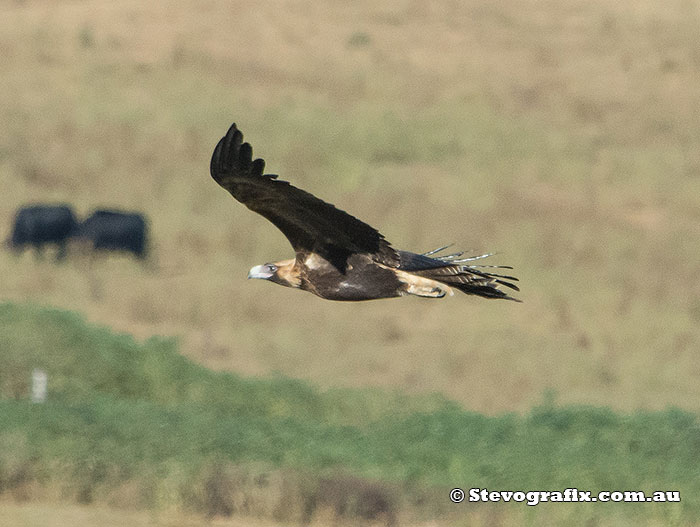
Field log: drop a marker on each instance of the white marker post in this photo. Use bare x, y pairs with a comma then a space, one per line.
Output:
39, 384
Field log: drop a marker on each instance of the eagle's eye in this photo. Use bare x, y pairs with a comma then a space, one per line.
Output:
272, 268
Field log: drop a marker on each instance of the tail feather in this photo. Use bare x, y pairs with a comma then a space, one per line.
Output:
508, 284
488, 292
481, 284
453, 272
492, 275
429, 253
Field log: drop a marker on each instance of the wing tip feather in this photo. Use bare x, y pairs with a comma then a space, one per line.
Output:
233, 156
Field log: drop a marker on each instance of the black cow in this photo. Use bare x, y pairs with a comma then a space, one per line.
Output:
115, 230
37, 225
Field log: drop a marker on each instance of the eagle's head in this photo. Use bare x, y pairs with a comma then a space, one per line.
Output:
283, 273
263, 272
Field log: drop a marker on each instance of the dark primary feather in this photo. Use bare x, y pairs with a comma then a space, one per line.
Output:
310, 224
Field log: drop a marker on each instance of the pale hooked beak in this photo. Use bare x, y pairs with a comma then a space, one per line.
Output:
262, 272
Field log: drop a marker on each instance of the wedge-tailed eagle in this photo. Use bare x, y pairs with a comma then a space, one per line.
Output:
339, 257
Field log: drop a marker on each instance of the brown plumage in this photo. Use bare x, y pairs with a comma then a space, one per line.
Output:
339, 257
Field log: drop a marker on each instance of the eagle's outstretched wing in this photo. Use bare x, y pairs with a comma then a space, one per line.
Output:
310, 224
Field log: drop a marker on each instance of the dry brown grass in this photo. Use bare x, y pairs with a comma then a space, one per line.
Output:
561, 133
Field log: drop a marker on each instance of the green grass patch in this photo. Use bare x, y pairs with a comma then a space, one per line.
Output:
124, 414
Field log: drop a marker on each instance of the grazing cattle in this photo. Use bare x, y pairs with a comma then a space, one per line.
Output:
38, 225
115, 231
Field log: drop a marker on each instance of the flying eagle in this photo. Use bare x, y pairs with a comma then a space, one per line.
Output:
339, 257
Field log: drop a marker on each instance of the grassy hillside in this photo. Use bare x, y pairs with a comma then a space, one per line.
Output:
561, 134
139, 426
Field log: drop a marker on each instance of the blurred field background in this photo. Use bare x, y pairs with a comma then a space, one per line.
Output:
561, 134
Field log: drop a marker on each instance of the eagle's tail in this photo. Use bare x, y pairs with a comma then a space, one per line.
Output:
473, 281
456, 272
